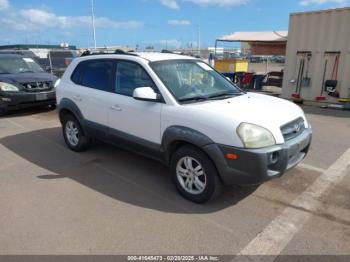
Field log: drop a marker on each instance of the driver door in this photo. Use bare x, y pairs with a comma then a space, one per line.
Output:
128, 117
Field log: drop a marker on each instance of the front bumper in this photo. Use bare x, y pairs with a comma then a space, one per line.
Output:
255, 166
18, 100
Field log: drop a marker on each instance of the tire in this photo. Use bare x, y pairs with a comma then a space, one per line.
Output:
73, 134
194, 174
3, 111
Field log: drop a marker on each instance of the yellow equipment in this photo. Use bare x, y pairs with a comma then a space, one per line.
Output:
231, 65
344, 100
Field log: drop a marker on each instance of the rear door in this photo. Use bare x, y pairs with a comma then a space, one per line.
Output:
92, 89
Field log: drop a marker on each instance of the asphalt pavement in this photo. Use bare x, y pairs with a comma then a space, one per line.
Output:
109, 201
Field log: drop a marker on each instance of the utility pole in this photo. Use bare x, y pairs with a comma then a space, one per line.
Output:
199, 39
93, 22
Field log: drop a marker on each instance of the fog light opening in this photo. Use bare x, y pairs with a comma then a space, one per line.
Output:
274, 157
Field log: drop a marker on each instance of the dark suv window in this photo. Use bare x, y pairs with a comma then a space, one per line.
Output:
130, 76
96, 74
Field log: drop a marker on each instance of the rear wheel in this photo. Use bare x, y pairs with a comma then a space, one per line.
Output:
73, 134
194, 174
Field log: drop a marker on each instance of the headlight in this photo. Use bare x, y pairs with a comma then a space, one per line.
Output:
57, 82
8, 87
254, 136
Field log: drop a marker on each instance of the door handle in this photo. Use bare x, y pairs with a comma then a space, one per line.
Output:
77, 98
116, 108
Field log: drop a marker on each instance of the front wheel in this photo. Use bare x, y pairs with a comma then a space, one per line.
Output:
2, 111
194, 174
73, 134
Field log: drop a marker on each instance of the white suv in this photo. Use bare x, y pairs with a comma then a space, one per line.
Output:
182, 112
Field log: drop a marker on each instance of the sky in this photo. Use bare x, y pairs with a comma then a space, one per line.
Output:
159, 23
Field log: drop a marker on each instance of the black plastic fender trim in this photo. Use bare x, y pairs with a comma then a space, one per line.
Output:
182, 134
67, 104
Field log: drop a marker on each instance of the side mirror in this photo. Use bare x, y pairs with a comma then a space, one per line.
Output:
145, 94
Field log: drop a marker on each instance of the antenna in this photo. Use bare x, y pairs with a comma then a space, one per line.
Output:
93, 22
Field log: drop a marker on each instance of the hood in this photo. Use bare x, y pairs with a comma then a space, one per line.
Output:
27, 77
263, 110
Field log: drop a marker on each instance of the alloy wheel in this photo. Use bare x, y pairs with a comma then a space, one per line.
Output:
191, 175
72, 133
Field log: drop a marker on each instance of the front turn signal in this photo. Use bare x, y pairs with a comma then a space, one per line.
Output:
231, 156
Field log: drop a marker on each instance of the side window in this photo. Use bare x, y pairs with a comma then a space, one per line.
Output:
97, 74
130, 76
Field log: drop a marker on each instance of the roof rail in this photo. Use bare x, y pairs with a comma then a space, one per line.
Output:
122, 52
164, 51
88, 52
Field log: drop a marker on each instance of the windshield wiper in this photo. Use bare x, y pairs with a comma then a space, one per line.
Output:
27, 71
223, 95
195, 98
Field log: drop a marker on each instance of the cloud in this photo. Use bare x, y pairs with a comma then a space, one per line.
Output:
321, 2
4, 4
172, 4
221, 3
38, 19
172, 43
179, 22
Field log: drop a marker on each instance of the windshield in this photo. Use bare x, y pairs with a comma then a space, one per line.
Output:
193, 80
17, 65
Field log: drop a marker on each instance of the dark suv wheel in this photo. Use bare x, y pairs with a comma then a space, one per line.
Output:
73, 134
2, 111
194, 174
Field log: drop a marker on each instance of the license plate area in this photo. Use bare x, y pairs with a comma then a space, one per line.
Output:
296, 149
41, 96
303, 144
293, 151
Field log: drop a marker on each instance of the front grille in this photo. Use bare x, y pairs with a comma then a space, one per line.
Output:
293, 129
38, 86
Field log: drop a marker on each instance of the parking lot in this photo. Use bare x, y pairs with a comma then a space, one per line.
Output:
109, 201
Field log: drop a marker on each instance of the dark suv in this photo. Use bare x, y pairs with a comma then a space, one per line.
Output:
23, 83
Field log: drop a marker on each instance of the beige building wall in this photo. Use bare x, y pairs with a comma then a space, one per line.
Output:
318, 32
245, 47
